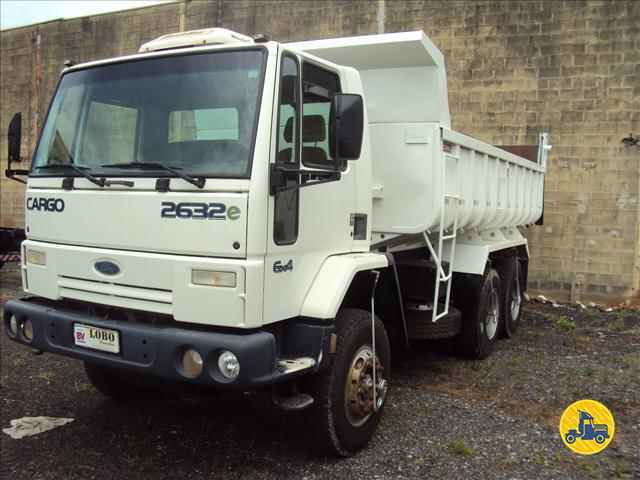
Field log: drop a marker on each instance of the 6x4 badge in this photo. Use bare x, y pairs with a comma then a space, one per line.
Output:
278, 267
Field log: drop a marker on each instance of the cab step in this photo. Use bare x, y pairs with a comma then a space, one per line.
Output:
295, 402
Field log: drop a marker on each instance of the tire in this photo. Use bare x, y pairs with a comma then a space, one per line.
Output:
570, 438
116, 384
600, 439
513, 297
338, 428
481, 319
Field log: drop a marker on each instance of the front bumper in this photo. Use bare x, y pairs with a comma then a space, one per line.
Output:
157, 349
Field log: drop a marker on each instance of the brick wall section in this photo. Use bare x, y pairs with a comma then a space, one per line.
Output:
515, 68
31, 59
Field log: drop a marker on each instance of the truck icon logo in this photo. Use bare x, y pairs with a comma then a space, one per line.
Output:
587, 430
587, 427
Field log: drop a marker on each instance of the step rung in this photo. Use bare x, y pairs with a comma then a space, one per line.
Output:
449, 237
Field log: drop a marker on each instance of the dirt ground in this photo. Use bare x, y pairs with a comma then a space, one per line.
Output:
445, 417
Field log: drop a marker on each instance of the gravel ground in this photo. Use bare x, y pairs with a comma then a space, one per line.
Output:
445, 417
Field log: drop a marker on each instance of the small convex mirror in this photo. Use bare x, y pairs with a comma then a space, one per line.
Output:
346, 126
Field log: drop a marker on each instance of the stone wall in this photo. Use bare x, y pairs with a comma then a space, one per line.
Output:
515, 68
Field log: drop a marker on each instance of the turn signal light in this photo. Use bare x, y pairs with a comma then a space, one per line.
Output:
36, 257
213, 278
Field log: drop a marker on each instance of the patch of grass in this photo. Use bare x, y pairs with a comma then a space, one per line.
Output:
84, 387
565, 323
516, 360
18, 362
621, 469
588, 468
588, 372
47, 376
631, 360
458, 447
539, 459
617, 325
584, 340
476, 366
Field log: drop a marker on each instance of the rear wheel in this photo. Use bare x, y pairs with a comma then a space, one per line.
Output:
481, 318
345, 414
513, 297
117, 384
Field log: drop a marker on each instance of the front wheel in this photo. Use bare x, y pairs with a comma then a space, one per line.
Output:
345, 413
570, 438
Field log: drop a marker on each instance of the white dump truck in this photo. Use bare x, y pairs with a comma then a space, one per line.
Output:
237, 213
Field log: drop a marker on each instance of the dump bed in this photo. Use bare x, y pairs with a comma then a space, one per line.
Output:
422, 170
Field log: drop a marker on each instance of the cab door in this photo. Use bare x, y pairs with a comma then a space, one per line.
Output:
308, 224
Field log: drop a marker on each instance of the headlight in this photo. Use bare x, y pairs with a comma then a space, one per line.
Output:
36, 257
213, 278
191, 363
229, 365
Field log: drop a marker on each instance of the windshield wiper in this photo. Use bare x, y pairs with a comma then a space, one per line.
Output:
101, 182
198, 182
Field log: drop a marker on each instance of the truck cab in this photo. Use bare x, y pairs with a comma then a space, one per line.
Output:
204, 211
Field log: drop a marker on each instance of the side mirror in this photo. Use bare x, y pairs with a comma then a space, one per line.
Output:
14, 137
346, 124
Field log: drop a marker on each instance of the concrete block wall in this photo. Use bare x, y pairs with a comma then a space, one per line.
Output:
515, 68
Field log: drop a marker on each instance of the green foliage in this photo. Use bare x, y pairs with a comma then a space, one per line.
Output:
565, 323
458, 447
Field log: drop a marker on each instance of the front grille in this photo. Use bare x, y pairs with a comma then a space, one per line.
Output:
117, 294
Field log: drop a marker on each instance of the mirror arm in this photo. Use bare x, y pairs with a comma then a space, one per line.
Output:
279, 173
11, 174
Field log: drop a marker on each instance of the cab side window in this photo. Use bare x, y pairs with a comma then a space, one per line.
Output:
318, 88
287, 151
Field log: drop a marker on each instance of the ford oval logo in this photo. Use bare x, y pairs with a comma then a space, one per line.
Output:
107, 268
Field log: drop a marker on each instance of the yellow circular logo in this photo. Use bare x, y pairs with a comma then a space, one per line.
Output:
587, 427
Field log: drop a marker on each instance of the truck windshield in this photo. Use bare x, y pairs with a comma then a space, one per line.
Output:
196, 113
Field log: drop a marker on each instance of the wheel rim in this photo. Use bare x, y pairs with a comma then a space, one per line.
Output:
516, 299
493, 314
358, 398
